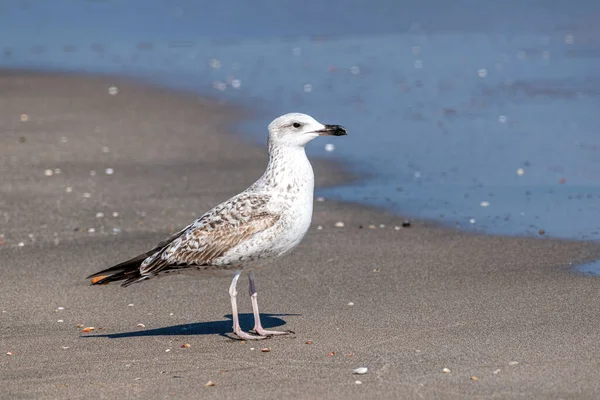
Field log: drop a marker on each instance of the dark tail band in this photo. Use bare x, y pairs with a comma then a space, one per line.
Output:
129, 271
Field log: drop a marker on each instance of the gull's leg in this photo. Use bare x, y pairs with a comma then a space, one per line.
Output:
236, 321
257, 325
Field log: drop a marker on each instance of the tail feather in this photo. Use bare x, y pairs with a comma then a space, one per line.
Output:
128, 270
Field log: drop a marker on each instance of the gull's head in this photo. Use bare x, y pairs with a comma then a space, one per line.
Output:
297, 129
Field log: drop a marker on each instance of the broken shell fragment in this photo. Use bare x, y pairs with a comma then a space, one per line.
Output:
360, 371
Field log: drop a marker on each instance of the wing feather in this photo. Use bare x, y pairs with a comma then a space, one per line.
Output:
211, 236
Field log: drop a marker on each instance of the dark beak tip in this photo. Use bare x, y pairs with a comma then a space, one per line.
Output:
334, 130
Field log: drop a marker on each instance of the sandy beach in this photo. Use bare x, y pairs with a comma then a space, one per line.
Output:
90, 178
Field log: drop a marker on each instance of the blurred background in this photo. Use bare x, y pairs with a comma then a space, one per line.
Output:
480, 114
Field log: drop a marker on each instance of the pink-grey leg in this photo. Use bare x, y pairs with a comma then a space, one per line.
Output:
236, 322
257, 325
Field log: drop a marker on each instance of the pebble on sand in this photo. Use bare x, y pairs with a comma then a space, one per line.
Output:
210, 384
446, 370
339, 224
360, 371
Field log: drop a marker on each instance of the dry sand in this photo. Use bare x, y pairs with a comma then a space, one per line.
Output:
507, 311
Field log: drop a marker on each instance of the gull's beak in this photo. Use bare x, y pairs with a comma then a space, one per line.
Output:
332, 130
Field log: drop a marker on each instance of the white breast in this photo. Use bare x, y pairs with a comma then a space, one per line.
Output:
289, 180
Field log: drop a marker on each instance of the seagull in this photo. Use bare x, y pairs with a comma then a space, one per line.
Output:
267, 220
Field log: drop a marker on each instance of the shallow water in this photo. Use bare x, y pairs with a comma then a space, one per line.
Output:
592, 268
483, 115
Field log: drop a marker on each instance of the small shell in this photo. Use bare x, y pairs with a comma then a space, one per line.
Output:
98, 278
360, 371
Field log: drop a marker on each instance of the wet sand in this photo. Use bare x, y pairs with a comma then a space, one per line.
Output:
506, 316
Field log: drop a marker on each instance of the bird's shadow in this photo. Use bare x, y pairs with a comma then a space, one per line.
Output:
222, 327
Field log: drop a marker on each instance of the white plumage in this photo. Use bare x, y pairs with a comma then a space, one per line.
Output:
266, 220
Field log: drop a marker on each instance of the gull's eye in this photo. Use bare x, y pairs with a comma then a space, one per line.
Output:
296, 125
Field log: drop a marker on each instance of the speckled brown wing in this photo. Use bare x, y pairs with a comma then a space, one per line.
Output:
213, 234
